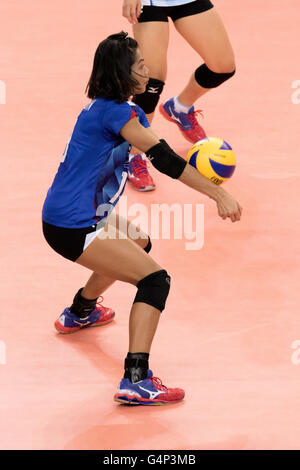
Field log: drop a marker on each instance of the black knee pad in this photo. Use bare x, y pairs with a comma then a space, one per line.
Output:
154, 289
149, 99
209, 79
149, 245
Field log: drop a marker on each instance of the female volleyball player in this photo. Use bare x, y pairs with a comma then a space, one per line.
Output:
201, 26
77, 212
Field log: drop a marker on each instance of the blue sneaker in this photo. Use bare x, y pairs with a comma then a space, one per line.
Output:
68, 322
186, 122
149, 391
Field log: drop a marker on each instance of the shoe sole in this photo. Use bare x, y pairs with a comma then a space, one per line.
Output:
126, 402
147, 188
85, 326
166, 116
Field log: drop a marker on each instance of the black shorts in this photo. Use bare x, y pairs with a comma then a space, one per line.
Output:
70, 242
152, 13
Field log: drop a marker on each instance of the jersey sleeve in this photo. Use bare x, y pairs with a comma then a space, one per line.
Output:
116, 116
142, 117
140, 113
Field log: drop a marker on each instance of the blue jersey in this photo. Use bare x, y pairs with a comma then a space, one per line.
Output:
93, 172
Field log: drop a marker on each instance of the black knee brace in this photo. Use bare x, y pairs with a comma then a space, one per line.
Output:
149, 99
149, 245
154, 289
209, 79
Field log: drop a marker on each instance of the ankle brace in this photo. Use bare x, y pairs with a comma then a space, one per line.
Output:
136, 366
81, 306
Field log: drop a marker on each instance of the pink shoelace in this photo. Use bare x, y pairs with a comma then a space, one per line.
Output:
158, 384
139, 165
99, 301
193, 119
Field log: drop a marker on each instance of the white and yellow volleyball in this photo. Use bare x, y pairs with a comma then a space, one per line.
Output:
213, 158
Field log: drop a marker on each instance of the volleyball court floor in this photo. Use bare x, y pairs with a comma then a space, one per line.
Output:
230, 335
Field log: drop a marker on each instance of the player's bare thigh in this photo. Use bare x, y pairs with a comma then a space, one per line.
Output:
207, 35
119, 258
153, 39
129, 229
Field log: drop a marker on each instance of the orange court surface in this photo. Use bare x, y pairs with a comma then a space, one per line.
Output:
230, 333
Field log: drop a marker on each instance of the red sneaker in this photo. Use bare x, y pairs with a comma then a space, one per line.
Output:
187, 122
138, 174
68, 322
149, 391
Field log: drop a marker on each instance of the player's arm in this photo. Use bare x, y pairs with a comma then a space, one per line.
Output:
165, 160
141, 137
226, 204
168, 162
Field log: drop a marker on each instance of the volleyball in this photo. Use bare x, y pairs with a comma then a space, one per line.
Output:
213, 158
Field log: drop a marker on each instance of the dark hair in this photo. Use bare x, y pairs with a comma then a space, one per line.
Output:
111, 77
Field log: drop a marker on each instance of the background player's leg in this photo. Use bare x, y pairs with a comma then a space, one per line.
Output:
153, 40
206, 33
